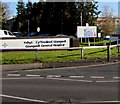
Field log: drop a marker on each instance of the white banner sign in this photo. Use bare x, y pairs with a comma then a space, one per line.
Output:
86, 31
48, 43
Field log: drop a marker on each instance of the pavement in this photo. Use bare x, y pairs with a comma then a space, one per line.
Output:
12, 67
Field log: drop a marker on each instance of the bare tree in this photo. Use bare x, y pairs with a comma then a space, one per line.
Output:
108, 25
4, 12
118, 26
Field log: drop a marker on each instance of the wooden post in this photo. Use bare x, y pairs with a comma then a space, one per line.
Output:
94, 41
82, 53
118, 49
36, 55
108, 53
81, 39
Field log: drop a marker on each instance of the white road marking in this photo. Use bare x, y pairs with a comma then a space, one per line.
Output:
12, 78
53, 76
13, 75
76, 76
30, 75
108, 101
97, 77
21, 98
103, 101
116, 77
70, 80
108, 81
41, 101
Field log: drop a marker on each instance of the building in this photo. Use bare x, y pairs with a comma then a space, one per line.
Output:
114, 36
116, 22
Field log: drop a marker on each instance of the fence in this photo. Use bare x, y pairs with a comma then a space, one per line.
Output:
108, 48
96, 47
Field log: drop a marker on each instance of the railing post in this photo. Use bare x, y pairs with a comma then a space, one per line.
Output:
36, 55
82, 53
108, 53
118, 49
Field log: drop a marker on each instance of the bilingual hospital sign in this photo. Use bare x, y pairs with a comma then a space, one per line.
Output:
46, 43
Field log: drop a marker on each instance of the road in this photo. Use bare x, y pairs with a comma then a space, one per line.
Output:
74, 85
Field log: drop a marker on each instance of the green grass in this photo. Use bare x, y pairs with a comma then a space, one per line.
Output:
101, 43
55, 56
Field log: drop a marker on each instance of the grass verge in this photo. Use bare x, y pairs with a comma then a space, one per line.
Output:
101, 43
55, 56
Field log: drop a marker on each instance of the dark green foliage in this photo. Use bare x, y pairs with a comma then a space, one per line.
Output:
19, 24
56, 17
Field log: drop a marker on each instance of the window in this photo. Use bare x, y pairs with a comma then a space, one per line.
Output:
5, 32
10, 33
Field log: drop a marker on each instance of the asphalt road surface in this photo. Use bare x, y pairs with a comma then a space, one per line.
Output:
74, 85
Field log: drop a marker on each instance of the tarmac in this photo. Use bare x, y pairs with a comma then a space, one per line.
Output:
17, 67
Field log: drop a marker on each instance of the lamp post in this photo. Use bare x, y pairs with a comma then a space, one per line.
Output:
62, 21
28, 25
81, 23
81, 18
62, 27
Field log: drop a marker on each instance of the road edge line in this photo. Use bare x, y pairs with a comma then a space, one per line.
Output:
21, 98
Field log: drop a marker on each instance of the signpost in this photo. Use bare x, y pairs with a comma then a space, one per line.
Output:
46, 43
87, 32
35, 44
38, 29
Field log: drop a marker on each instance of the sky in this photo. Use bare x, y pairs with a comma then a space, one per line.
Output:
101, 3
